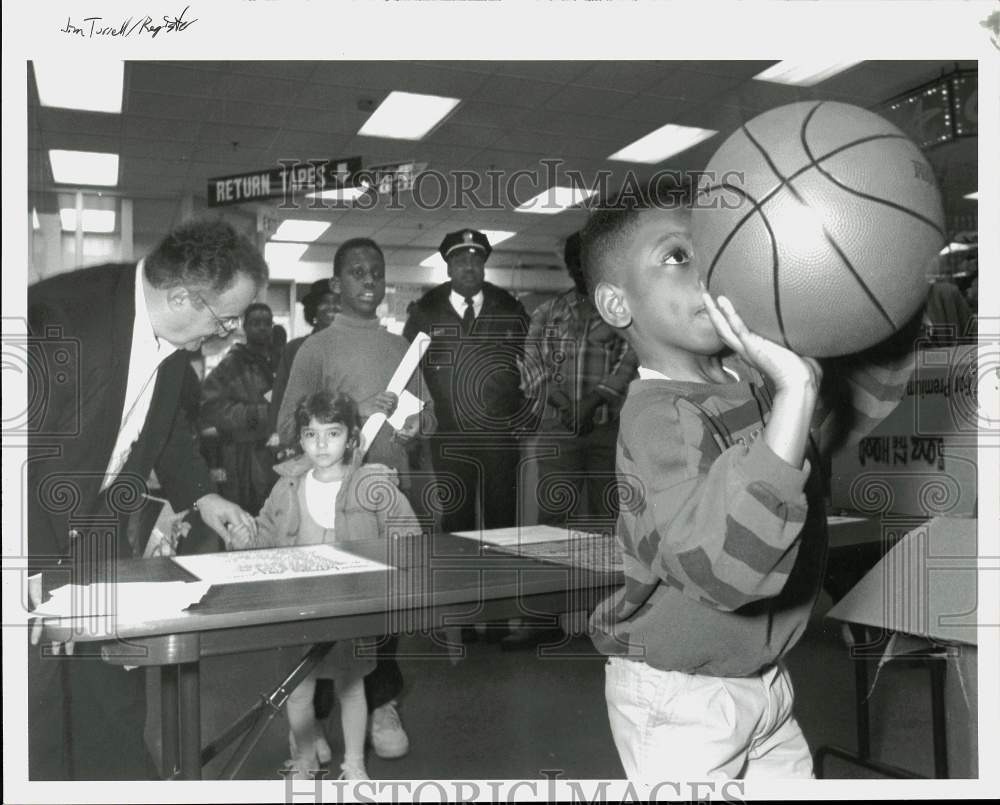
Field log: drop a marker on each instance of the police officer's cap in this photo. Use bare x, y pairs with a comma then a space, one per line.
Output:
465, 239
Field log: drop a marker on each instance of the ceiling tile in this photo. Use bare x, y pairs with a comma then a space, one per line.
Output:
169, 79
585, 100
651, 109
513, 91
237, 137
678, 83
457, 134
258, 89
490, 115
70, 120
289, 70
173, 107
148, 128
562, 71
635, 75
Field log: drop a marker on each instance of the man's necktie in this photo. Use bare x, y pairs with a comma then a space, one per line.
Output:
469, 317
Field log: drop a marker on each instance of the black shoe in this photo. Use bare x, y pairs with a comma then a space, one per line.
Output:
323, 698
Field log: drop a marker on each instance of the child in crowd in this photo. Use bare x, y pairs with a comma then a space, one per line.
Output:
327, 496
723, 524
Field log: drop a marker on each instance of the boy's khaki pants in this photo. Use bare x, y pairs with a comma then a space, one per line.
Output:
669, 725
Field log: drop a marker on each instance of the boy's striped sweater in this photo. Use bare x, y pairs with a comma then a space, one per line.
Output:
724, 543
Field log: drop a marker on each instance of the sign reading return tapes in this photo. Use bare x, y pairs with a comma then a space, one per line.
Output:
284, 181
921, 459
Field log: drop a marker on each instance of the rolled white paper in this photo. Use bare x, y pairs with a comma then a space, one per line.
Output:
407, 366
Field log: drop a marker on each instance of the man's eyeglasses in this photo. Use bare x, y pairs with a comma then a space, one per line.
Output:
223, 326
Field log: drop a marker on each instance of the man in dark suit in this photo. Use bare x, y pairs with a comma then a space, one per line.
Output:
109, 351
477, 335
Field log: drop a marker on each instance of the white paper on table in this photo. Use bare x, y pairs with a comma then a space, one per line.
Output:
843, 519
275, 563
409, 404
397, 383
98, 608
520, 535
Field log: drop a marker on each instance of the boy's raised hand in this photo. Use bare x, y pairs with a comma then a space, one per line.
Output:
785, 368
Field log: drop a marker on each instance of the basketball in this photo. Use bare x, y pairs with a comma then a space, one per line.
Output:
821, 222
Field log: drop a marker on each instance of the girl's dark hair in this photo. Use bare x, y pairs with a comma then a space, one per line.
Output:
328, 408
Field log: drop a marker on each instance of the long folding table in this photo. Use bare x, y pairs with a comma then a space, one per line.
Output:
432, 582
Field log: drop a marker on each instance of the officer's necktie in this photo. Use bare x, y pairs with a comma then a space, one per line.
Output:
469, 317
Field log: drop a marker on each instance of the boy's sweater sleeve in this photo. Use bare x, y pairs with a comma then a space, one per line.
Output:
725, 527
859, 391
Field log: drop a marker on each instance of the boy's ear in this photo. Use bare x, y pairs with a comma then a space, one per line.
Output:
335, 285
612, 305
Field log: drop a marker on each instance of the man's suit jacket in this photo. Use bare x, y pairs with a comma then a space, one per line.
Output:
474, 379
81, 326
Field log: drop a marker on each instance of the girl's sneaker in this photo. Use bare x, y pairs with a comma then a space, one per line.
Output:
353, 771
320, 748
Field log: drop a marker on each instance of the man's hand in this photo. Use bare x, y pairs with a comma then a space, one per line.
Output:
410, 429
384, 401
223, 516
788, 371
38, 623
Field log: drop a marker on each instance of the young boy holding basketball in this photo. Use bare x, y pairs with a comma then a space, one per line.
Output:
722, 521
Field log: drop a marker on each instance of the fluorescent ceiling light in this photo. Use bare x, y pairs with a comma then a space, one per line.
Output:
93, 220
664, 142
956, 248
434, 261
407, 115
343, 195
555, 200
93, 85
972, 196
299, 230
84, 167
495, 236
283, 253
805, 72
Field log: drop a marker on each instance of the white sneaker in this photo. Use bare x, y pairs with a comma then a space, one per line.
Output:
386, 733
353, 771
320, 749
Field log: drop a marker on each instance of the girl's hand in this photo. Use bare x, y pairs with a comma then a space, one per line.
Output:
237, 538
788, 371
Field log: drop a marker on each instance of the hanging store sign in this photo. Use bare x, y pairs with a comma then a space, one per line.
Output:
288, 179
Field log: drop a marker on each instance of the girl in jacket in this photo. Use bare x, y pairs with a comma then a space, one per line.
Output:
327, 496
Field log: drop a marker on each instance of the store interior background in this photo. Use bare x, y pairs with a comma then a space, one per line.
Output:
182, 123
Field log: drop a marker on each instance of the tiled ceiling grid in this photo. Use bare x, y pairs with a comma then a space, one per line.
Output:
183, 122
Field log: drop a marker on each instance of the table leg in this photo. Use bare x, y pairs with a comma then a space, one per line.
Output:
939, 724
190, 720
168, 721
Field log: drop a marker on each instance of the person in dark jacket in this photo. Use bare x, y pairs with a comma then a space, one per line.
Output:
477, 335
234, 402
111, 347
